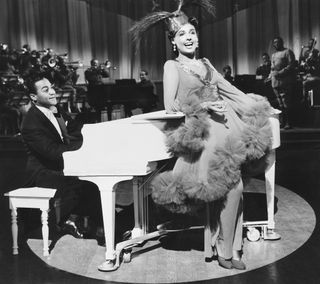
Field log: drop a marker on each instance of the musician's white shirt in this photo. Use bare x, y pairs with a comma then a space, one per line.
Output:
49, 114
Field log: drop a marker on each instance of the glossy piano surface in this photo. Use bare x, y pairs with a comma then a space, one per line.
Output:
120, 147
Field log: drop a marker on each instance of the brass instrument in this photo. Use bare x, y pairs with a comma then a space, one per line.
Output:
64, 55
107, 65
52, 61
74, 64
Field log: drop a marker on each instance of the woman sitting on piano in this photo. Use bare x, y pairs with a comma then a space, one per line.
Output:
224, 130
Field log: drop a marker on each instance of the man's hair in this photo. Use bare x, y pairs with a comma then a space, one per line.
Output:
144, 70
31, 82
226, 67
279, 39
93, 60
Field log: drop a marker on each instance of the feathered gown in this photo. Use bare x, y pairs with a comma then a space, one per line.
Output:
211, 148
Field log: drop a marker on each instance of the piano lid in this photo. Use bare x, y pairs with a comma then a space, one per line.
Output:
120, 147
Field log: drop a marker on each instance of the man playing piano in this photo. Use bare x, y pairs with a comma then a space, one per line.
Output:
47, 133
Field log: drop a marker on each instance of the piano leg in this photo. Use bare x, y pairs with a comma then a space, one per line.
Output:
270, 187
138, 202
107, 193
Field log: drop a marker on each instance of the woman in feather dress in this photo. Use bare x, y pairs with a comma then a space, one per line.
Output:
224, 130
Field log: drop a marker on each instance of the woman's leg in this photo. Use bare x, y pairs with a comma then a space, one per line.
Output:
230, 233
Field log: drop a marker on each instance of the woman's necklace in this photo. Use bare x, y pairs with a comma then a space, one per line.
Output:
190, 71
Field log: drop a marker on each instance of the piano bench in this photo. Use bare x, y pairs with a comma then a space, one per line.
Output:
30, 197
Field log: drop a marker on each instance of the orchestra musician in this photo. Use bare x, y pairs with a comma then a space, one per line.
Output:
265, 68
66, 78
96, 73
283, 78
227, 74
309, 64
145, 82
94, 76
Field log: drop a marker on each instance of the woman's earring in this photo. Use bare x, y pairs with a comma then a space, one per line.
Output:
174, 47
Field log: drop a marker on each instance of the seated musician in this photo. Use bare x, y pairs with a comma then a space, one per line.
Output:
227, 74
94, 76
310, 66
96, 73
65, 79
47, 133
265, 68
263, 82
49, 62
145, 82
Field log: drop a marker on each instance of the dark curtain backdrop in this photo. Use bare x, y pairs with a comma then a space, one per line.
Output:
240, 33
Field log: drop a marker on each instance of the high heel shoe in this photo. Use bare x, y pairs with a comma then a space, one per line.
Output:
225, 263
238, 264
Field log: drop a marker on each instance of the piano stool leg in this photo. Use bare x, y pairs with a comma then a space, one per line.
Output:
14, 230
270, 188
45, 231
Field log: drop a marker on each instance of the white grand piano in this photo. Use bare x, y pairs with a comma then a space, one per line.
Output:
128, 149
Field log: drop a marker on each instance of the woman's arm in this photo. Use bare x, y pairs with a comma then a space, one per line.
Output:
170, 86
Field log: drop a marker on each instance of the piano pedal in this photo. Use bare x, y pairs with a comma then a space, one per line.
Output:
126, 255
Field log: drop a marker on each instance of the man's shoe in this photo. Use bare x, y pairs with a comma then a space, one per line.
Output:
100, 237
70, 228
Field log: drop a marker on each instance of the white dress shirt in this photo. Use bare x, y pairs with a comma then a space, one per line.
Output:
49, 114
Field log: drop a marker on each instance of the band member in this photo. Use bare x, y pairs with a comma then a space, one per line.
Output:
96, 73
307, 55
265, 68
94, 76
283, 77
310, 67
146, 83
227, 74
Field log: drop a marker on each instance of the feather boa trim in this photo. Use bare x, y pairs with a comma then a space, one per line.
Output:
190, 136
186, 193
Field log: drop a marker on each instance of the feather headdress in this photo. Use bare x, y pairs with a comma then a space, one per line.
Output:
174, 20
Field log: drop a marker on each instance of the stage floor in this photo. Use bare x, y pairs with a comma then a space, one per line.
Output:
179, 257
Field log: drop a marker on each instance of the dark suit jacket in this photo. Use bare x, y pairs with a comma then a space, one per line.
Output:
45, 146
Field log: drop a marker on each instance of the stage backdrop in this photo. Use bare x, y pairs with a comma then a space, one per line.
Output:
240, 33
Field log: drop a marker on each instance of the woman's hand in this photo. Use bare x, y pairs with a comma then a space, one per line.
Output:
218, 106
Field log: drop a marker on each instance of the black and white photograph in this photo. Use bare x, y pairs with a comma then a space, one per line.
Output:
159, 141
